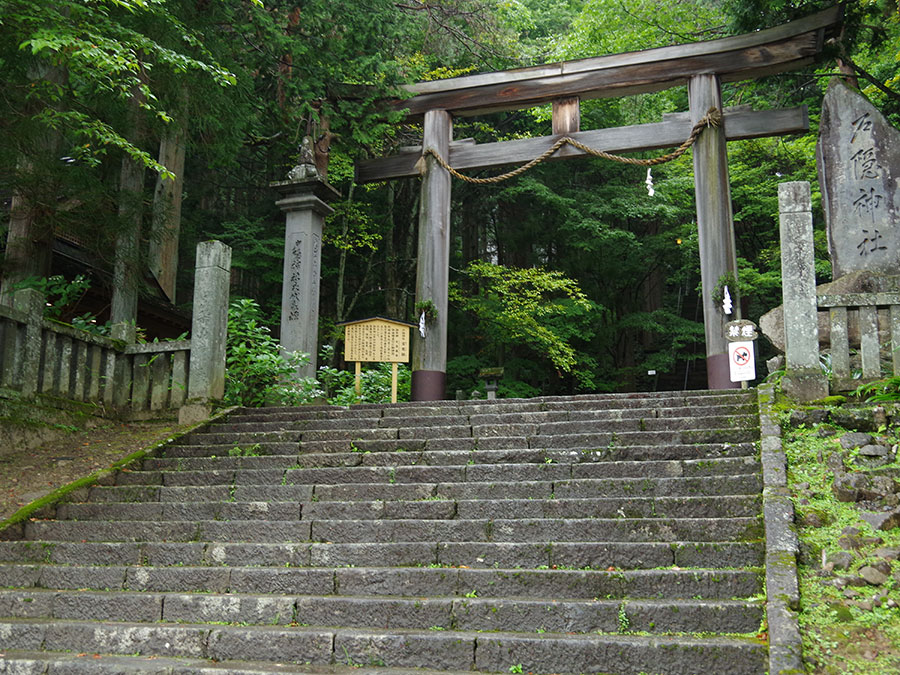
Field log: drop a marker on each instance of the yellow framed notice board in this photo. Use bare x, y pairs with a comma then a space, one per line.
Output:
376, 340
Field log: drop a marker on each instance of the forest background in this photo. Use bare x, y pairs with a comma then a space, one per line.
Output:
572, 277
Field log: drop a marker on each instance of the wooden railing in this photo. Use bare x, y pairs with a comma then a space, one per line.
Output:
45, 357
862, 310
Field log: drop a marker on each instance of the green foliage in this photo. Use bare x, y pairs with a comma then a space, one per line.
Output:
887, 389
533, 307
59, 293
98, 50
375, 382
256, 371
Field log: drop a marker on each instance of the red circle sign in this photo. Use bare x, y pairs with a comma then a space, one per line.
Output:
741, 356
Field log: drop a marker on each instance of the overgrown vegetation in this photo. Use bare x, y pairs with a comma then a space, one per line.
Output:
257, 371
847, 626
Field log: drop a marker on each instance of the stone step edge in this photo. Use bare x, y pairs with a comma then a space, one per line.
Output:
446, 650
615, 573
372, 503
642, 398
619, 436
698, 638
250, 473
119, 664
416, 457
654, 601
461, 614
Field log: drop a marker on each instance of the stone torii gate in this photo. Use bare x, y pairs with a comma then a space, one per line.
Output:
702, 66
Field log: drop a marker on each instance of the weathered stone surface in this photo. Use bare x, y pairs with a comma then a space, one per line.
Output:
268, 643
873, 576
835, 462
808, 417
851, 487
801, 335
541, 544
859, 419
858, 152
888, 553
873, 450
438, 650
209, 325
884, 520
813, 519
840, 560
884, 485
855, 440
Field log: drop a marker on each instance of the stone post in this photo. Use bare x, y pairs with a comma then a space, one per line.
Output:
31, 302
305, 204
718, 262
429, 360
209, 329
803, 379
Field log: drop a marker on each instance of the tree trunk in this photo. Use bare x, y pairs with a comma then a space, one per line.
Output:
127, 266
393, 295
166, 225
29, 242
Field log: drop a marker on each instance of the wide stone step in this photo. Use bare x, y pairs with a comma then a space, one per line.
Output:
602, 555
59, 663
741, 484
415, 473
672, 507
166, 571
536, 422
621, 488
433, 458
445, 650
469, 613
489, 464
379, 453
411, 530
628, 432
690, 400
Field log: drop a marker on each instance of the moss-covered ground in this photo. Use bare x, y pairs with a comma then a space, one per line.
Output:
840, 633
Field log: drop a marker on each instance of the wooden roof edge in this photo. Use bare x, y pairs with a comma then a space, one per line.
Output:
820, 21
379, 318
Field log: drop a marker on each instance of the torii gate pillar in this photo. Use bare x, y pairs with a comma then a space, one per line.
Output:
429, 359
715, 225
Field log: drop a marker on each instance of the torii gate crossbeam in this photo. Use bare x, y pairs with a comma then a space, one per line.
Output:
702, 66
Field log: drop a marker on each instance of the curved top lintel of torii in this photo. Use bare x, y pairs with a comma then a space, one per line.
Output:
741, 57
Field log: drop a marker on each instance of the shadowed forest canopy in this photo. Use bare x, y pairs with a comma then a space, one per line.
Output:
162, 119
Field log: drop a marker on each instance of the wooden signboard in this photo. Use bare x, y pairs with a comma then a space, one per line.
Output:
376, 340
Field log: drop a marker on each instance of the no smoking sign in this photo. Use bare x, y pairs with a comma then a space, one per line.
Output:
741, 361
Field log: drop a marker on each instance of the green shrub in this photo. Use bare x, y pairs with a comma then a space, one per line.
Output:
257, 372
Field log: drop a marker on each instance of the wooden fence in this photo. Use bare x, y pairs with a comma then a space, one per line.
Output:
877, 316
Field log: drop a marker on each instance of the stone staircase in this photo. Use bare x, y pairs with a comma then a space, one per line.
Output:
587, 534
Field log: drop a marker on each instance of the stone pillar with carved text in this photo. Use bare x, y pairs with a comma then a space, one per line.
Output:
305, 203
718, 261
429, 361
858, 154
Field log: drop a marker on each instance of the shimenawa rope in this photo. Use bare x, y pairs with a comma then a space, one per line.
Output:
713, 118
